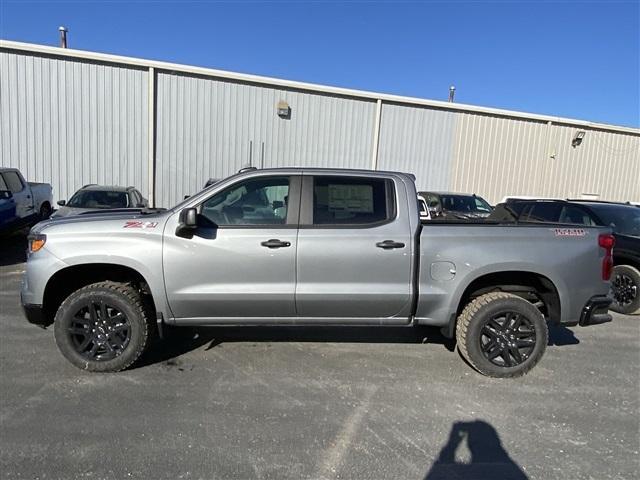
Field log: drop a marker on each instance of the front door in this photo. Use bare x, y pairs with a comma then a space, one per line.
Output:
239, 266
354, 250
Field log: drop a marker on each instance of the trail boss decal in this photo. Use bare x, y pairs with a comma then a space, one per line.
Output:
570, 232
139, 224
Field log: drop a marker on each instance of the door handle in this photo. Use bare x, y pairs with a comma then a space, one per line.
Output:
389, 244
275, 243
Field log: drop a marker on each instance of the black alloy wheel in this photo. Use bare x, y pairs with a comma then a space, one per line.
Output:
99, 331
624, 289
507, 339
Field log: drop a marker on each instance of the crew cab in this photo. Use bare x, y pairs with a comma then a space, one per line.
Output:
32, 200
299, 246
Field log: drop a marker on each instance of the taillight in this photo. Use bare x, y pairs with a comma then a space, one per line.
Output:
607, 241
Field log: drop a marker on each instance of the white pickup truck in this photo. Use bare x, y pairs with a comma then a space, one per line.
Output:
32, 200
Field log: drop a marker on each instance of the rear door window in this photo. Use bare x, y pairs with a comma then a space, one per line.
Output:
3, 186
352, 200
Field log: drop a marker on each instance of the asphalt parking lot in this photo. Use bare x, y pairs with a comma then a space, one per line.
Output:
319, 403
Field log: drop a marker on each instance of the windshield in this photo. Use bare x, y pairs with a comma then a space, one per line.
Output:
99, 199
625, 219
464, 203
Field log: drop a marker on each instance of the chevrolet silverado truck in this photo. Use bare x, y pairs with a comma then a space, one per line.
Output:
32, 200
298, 246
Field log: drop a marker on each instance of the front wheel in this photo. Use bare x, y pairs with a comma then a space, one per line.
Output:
625, 289
103, 327
501, 335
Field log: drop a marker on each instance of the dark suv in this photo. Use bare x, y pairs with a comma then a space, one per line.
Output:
623, 217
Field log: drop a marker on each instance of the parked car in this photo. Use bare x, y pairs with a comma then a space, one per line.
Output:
456, 205
98, 197
30, 201
624, 218
348, 249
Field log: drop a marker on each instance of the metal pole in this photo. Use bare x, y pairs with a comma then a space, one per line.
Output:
376, 136
63, 36
152, 136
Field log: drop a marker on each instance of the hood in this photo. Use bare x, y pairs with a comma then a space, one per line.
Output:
67, 211
457, 214
101, 219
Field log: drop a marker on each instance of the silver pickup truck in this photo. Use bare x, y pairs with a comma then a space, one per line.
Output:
300, 246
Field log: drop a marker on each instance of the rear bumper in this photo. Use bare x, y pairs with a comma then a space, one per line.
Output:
595, 311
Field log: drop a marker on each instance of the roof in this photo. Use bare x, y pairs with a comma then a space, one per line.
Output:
106, 188
270, 81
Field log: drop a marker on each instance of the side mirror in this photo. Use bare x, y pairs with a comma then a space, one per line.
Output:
188, 222
62, 203
5, 194
140, 205
278, 204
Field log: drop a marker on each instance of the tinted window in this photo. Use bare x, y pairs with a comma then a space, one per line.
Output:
261, 201
99, 199
3, 186
543, 212
463, 203
625, 219
351, 201
575, 215
13, 182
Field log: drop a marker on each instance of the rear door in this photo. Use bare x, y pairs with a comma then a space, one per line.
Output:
354, 250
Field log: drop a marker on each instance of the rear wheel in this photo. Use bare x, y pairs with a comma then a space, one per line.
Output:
45, 211
103, 327
625, 289
501, 335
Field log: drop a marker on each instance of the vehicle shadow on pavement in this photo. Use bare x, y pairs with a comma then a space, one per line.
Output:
182, 340
13, 250
559, 336
486, 457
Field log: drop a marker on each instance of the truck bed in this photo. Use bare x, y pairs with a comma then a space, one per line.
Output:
453, 254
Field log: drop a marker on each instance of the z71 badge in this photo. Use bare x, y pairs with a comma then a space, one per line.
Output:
570, 232
139, 224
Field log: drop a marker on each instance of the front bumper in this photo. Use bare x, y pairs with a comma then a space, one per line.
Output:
595, 311
35, 314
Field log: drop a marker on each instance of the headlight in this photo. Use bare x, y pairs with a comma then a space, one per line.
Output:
36, 242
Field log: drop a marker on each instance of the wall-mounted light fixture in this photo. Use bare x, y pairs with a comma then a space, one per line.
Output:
577, 139
284, 110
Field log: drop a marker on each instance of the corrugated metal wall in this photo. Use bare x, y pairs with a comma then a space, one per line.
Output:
417, 140
70, 123
211, 128
499, 156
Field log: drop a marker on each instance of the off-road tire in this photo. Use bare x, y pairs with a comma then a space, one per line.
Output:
474, 317
45, 211
632, 273
128, 301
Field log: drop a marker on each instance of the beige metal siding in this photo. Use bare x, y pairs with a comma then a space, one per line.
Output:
499, 156
211, 128
69, 122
